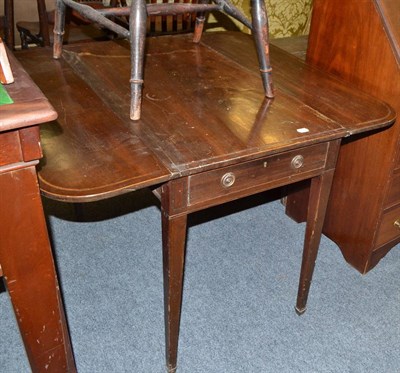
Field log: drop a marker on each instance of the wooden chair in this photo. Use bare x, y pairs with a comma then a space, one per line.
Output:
40, 33
138, 13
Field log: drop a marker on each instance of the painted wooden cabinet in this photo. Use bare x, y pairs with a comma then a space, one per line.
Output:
359, 41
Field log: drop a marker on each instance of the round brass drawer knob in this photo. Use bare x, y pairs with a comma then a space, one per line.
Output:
228, 179
397, 223
297, 162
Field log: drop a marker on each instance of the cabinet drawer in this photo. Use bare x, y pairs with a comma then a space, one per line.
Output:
390, 226
393, 197
257, 175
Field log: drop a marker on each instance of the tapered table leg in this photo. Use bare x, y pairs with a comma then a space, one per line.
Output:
319, 195
27, 264
174, 241
317, 203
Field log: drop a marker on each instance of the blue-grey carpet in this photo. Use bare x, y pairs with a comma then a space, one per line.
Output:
242, 268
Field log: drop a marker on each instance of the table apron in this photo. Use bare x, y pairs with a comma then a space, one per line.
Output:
212, 188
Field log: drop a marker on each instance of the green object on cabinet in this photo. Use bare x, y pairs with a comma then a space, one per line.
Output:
4, 96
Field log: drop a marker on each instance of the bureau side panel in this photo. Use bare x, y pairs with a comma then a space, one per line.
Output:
359, 51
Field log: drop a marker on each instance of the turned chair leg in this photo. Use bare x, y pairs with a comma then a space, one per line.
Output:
59, 27
137, 27
260, 34
199, 24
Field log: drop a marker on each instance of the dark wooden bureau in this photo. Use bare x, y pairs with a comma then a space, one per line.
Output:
359, 40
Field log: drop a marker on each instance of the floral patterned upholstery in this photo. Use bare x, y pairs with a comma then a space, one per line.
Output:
286, 17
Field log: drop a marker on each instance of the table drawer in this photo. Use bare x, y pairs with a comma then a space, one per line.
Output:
393, 197
390, 226
255, 175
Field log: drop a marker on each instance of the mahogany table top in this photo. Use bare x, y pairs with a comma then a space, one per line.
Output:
203, 108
